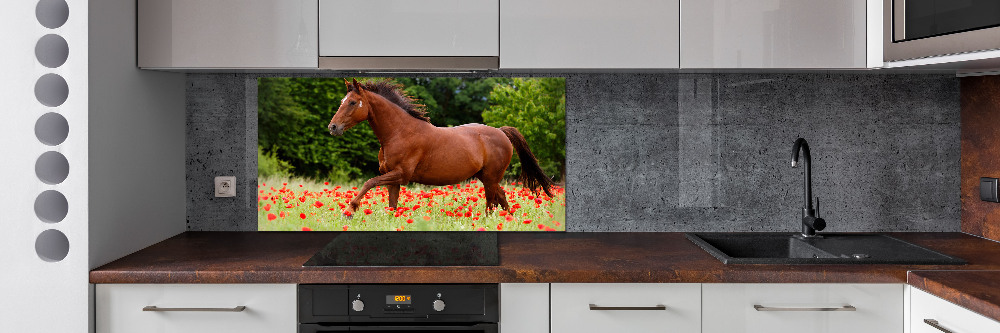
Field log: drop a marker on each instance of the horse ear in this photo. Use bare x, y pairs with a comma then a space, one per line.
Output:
348, 84
357, 88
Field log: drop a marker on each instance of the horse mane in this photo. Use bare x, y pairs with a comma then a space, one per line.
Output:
393, 92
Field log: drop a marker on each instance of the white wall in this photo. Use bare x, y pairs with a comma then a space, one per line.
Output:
137, 184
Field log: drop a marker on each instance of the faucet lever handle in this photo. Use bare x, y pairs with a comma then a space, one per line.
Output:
817, 206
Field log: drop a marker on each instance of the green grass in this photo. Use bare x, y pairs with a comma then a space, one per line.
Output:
282, 203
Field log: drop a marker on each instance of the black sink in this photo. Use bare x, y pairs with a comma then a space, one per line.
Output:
787, 248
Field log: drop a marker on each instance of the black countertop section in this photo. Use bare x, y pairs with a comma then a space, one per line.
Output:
409, 249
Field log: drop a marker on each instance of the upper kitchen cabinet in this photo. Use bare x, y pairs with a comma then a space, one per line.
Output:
409, 34
585, 34
220, 34
780, 34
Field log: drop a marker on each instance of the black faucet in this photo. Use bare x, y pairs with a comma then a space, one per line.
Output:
810, 222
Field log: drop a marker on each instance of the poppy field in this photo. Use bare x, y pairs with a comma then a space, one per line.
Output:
303, 205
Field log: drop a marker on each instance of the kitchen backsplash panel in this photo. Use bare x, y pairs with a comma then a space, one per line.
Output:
682, 152
980, 153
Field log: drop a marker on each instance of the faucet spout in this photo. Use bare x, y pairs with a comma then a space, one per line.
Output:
810, 222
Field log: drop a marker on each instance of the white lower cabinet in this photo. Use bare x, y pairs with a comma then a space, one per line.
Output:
930, 314
195, 308
524, 307
802, 308
625, 307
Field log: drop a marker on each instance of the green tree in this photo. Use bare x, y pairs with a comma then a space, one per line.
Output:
452, 101
537, 108
292, 120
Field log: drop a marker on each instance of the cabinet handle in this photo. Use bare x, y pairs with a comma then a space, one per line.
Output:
233, 309
630, 308
759, 307
935, 324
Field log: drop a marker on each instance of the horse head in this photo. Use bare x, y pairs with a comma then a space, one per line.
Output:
353, 109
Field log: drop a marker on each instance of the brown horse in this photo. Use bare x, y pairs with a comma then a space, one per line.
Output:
413, 150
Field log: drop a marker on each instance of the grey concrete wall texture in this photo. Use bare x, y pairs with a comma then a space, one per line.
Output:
683, 152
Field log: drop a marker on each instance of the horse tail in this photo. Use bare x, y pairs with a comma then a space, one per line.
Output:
531, 174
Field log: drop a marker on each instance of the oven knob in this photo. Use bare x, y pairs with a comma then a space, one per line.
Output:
358, 305
438, 305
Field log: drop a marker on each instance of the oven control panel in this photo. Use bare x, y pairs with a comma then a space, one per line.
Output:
398, 303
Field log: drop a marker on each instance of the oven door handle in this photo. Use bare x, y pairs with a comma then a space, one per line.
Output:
484, 328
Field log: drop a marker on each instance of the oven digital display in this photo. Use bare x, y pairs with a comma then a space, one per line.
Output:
397, 299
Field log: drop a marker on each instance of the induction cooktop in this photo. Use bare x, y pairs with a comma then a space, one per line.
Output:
409, 248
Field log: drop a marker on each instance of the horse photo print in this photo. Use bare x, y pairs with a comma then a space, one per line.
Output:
411, 154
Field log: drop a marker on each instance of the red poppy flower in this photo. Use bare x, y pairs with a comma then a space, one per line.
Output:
326, 183
302, 216
306, 229
409, 220
318, 204
345, 228
348, 213
271, 217
368, 211
481, 229
526, 222
267, 207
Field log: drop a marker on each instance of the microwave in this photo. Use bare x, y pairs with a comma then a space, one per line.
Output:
916, 29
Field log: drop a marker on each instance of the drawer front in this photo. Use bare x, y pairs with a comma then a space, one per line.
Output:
572, 312
269, 308
409, 28
729, 308
948, 315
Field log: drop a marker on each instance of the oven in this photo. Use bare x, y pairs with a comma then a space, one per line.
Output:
927, 28
465, 308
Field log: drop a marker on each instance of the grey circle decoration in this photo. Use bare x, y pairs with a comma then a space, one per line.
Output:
51, 90
52, 13
51, 206
52, 245
51, 129
52, 167
51, 51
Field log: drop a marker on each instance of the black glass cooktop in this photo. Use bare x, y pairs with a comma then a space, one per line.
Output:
409, 248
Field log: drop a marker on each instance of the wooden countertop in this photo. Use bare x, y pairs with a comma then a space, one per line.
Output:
277, 257
978, 291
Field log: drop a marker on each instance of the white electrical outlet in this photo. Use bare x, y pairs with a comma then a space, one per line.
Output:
225, 186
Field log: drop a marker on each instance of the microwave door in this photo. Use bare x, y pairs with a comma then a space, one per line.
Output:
916, 19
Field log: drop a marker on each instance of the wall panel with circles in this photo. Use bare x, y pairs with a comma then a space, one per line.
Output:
45, 222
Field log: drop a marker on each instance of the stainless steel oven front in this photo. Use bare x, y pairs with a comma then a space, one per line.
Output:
392, 308
915, 29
